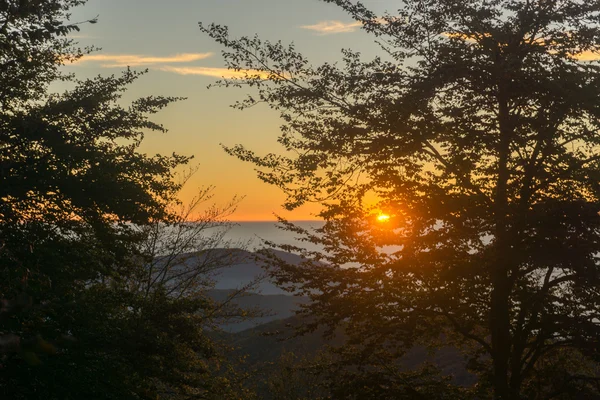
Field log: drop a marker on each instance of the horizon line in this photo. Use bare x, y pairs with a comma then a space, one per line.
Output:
276, 221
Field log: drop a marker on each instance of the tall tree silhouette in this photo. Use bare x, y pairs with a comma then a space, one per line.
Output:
79, 203
477, 132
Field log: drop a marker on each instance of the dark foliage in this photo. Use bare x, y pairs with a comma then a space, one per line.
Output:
477, 132
80, 212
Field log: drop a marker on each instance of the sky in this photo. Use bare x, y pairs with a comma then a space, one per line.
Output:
163, 36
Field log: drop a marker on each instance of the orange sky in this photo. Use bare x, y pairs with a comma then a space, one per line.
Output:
164, 38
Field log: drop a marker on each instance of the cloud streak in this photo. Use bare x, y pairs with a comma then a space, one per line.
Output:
332, 27
136, 60
164, 64
214, 72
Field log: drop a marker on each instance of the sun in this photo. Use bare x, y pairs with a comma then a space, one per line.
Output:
383, 218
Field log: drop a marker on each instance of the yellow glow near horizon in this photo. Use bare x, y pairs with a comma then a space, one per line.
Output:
383, 218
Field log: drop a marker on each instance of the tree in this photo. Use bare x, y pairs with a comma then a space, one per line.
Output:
79, 202
476, 131
34, 41
152, 330
293, 377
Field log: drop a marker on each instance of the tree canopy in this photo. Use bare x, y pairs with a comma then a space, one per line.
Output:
85, 311
476, 131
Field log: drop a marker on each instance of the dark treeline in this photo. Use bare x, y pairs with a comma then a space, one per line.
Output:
88, 309
475, 132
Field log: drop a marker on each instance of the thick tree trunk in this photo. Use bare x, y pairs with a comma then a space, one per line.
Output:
499, 302
500, 327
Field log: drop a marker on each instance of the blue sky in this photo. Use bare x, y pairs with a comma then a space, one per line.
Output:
163, 36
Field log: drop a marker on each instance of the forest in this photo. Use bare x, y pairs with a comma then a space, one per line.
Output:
457, 175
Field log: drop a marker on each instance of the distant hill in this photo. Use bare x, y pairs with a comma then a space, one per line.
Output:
274, 306
264, 339
233, 268
249, 266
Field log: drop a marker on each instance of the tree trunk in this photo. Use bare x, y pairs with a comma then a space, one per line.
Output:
500, 328
499, 304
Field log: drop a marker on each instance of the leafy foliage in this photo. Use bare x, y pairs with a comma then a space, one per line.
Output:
79, 203
476, 131
33, 37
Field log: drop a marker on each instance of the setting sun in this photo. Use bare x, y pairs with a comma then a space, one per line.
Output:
383, 218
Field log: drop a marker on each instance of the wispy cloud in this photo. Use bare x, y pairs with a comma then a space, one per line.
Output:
330, 27
163, 64
214, 72
136, 60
